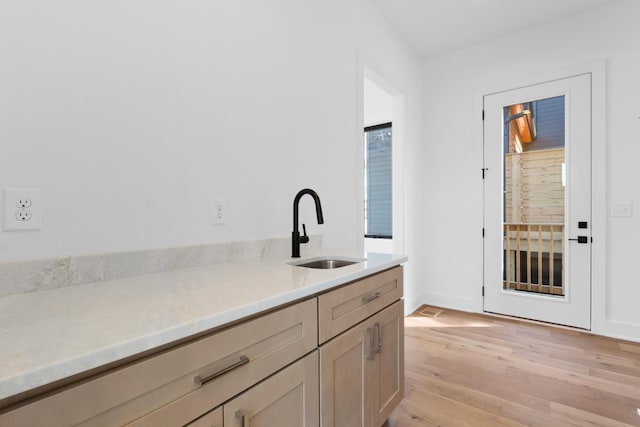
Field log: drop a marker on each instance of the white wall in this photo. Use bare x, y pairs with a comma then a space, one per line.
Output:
131, 116
377, 104
453, 89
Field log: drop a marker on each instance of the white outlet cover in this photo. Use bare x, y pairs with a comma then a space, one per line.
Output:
12, 211
220, 208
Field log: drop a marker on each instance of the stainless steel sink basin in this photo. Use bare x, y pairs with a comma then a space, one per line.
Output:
326, 262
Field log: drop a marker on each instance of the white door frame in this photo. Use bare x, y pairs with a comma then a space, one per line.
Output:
599, 213
373, 71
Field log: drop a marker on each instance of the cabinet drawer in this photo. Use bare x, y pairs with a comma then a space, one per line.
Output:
342, 308
185, 382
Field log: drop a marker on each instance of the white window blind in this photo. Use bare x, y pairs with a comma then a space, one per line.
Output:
378, 188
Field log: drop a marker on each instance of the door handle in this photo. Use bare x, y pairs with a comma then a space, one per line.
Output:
581, 239
379, 329
372, 350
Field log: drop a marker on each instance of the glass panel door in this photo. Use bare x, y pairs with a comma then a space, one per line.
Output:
537, 202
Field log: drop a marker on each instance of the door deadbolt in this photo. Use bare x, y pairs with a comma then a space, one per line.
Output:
581, 239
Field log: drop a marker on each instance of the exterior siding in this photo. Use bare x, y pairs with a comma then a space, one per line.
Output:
549, 119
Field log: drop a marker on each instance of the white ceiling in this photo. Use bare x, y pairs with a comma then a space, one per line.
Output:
434, 27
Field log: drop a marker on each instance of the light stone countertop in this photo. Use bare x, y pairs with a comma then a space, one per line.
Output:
52, 334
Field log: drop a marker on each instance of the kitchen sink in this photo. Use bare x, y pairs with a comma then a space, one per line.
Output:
325, 263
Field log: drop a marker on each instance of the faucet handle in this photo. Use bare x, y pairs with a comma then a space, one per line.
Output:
304, 238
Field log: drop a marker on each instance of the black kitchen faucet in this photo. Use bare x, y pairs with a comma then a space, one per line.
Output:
296, 239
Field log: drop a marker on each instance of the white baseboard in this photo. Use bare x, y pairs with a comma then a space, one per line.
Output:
610, 328
621, 330
449, 301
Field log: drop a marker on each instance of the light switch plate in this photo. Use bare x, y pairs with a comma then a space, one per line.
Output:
622, 209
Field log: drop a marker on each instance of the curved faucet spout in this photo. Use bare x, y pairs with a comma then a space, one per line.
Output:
296, 239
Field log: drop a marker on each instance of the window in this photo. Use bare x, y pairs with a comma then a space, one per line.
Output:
377, 181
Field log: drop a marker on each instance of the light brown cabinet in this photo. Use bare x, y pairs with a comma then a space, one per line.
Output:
287, 399
211, 419
362, 368
362, 371
265, 371
343, 379
387, 389
341, 308
176, 386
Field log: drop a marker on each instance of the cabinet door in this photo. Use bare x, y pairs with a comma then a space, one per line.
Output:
346, 365
388, 387
212, 419
287, 399
362, 371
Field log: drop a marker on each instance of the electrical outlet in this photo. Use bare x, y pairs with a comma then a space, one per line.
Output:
24, 202
23, 215
219, 211
22, 209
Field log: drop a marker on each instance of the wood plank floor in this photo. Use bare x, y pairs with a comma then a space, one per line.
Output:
466, 369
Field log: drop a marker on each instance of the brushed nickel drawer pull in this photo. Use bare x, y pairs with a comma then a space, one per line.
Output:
368, 299
202, 381
244, 420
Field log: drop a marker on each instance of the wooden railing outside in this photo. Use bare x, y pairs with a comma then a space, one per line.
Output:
534, 257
